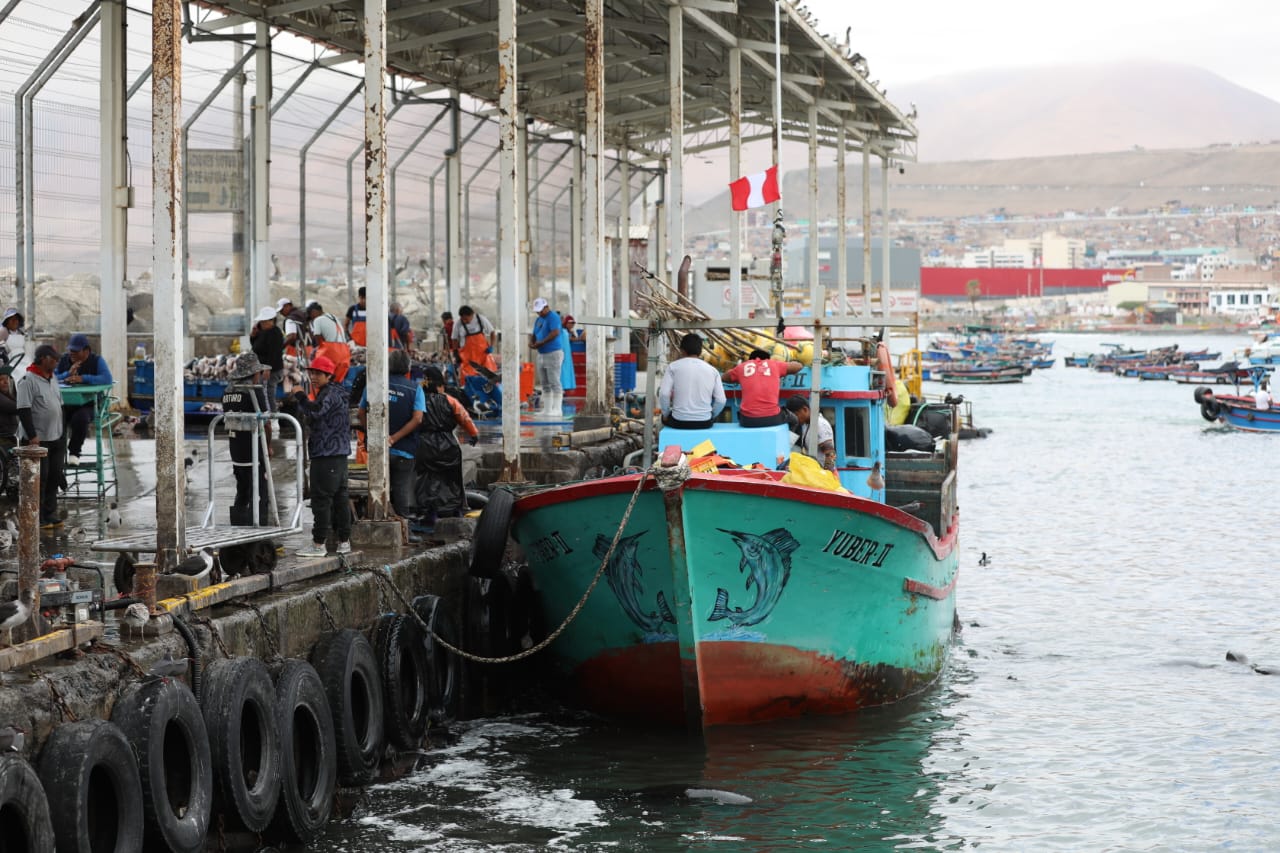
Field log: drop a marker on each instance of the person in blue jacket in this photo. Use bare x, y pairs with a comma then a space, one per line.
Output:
80, 365
547, 339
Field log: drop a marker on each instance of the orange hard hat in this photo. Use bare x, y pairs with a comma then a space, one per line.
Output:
322, 363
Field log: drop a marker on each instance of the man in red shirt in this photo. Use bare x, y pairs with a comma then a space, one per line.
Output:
760, 378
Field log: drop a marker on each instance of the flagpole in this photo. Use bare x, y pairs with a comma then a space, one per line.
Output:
779, 232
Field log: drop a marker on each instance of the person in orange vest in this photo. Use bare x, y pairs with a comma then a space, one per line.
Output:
475, 337
357, 314
329, 339
399, 329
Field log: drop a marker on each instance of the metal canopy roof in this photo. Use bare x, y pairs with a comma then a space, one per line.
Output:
453, 44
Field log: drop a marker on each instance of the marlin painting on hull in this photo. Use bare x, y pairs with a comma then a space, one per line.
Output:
738, 596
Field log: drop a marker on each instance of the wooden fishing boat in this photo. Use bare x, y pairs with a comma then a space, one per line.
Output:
1237, 411
743, 594
996, 376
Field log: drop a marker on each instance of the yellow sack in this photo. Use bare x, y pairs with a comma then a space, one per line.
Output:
806, 471
897, 416
703, 448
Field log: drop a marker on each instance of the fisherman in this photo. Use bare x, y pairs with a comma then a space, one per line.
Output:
357, 318
330, 340
691, 395
405, 406
329, 445
80, 366
447, 343
799, 406
438, 489
399, 329
267, 341
475, 338
760, 378
571, 330
40, 418
550, 345
1262, 397
13, 338
8, 409
244, 394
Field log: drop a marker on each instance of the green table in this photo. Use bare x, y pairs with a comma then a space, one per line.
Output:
103, 464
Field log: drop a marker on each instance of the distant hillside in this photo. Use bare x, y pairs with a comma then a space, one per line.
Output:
1135, 180
1076, 109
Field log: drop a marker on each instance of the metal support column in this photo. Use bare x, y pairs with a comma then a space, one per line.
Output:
735, 172
453, 220
166, 220
884, 239
842, 225
575, 222
239, 217
675, 200
260, 280
302, 192
114, 192
597, 400
351, 240
375, 251
508, 239
866, 230
623, 342
819, 309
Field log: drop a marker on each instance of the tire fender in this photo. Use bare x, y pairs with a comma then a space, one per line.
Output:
349, 672
163, 724
490, 540
90, 777
1210, 408
244, 740
308, 764
22, 797
445, 665
1199, 393
406, 679
890, 379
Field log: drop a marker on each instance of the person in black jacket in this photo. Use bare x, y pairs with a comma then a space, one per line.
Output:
8, 409
244, 395
268, 345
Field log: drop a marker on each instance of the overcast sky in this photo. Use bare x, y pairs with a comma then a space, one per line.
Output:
904, 43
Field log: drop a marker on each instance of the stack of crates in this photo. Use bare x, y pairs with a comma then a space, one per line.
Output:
624, 373
578, 352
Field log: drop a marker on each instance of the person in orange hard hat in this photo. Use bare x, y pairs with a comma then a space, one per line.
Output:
329, 445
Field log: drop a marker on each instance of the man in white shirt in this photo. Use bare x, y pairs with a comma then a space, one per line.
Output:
799, 406
1262, 397
692, 394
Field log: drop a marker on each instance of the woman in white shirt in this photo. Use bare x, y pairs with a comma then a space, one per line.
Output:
13, 338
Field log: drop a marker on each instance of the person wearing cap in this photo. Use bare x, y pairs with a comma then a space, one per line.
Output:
550, 344
268, 345
244, 395
447, 343
439, 490
13, 338
329, 446
799, 406
571, 330
40, 422
691, 395
405, 405
330, 340
357, 318
399, 329
80, 365
474, 339
760, 378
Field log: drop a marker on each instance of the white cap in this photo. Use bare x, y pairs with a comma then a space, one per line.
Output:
264, 315
539, 304
283, 301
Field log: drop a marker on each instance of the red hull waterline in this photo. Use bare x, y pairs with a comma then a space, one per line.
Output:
743, 683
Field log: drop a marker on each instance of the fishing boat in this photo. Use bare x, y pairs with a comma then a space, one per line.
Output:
994, 376
758, 589
1236, 410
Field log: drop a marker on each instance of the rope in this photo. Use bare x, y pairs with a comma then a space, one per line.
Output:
385, 578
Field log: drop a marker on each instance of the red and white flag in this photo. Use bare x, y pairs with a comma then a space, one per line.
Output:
755, 190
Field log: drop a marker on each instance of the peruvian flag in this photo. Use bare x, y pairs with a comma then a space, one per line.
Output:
755, 190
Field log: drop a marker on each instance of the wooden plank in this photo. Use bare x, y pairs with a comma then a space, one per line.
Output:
303, 571
899, 476
216, 594
62, 640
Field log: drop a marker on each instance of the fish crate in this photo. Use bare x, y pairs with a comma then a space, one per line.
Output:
624, 372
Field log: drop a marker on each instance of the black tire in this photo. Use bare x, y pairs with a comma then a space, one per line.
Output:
162, 721
349, 672
1210, 409
308, 761
234, 560
445, 669
489, 618
490, 540
122, 575
244, 740
1199, 393
406, 680
262, 557
24, 811
90, 777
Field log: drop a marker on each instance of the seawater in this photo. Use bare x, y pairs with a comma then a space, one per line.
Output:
1087, 704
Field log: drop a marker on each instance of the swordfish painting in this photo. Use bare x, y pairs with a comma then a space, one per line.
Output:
766, 561
625, 579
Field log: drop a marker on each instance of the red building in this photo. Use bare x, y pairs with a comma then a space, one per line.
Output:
1005, 283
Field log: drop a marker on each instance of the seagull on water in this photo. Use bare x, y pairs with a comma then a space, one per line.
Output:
984, 560
136, 616
14, 612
